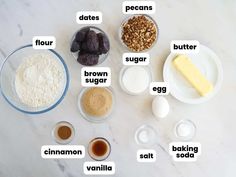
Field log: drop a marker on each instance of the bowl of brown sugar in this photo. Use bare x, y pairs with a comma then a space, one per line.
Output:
96, 103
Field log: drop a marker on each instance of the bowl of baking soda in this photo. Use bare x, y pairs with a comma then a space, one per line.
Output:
34, 81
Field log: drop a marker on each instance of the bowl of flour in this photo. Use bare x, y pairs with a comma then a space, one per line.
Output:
34, 81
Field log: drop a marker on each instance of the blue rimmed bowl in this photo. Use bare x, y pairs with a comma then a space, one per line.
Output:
8, 73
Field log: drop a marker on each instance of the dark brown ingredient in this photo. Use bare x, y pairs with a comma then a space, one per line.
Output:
88, 59
82, 34
75, 46
92, 42
89, 46
104, 44
84, 47
64, 132
99, 148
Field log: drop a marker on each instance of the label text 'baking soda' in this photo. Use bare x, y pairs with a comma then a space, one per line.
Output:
185, 151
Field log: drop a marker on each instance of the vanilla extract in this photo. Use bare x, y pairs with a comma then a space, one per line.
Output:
99, 168
99, 149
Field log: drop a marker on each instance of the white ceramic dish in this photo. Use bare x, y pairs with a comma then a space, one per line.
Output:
210, 66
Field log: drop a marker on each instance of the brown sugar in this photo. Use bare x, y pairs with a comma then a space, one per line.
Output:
97, 101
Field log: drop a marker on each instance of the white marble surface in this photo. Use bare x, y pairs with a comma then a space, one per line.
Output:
212, 22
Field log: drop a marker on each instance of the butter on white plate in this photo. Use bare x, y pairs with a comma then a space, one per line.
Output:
194, 76
195, 80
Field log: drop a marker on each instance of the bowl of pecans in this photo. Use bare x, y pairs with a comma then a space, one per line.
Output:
138, 33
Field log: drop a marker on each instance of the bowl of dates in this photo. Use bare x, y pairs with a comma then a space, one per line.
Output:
90, 46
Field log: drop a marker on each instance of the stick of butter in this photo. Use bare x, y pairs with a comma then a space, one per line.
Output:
184, 65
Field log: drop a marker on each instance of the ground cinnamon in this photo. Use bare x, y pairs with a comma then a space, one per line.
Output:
64, 132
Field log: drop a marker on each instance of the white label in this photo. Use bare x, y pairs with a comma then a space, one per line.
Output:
159, 88
146, 155
88, 17
184, 46
44, 42
138, 7
136, 59
62, 152
96, 77
99, 168
185, 151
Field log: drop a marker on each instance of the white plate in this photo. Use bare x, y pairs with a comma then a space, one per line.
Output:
210, 66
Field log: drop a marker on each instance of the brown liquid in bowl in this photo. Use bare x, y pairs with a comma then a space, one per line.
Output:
99, 148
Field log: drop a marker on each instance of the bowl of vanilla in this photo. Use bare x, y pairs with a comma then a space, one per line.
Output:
34, 81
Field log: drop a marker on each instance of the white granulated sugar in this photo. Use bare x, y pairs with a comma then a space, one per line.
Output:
136, 79
39, 80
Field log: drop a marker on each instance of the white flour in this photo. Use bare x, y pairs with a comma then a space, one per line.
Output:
39, 80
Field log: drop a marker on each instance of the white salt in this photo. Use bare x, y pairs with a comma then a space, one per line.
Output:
143, 136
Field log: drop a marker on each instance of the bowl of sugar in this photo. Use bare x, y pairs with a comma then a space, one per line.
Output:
34, 81
135, 80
